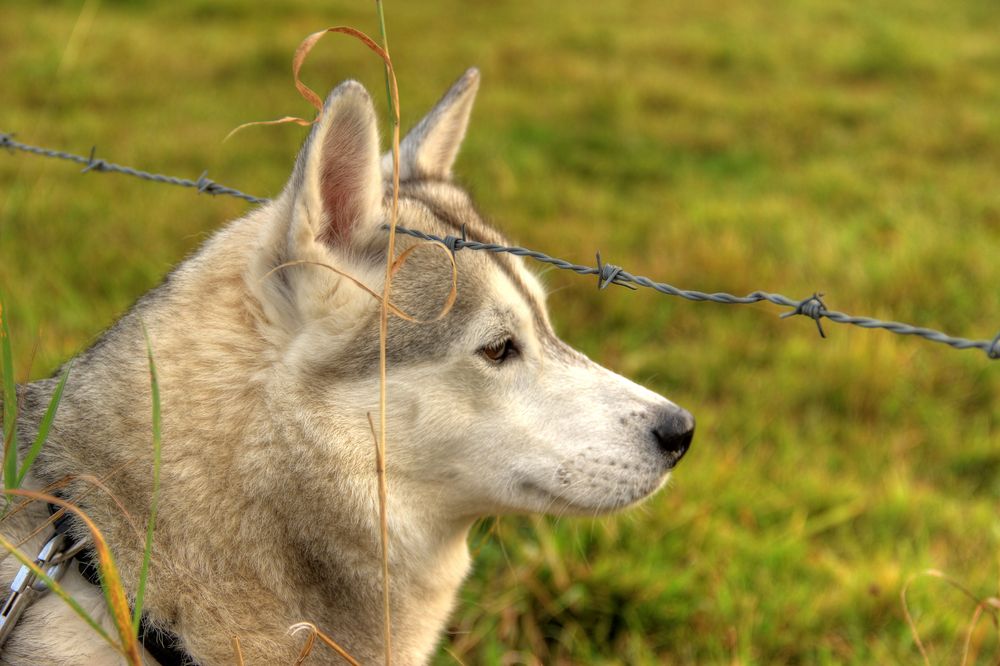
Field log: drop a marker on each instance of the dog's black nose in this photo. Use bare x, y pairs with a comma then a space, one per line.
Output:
673, 433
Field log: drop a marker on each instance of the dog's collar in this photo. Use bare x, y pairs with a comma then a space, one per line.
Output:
163, 645
54, 558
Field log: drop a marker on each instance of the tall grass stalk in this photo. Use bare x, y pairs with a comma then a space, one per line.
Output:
43, 429
154, 385
9, 405
392, 264
392, 92
111, 584
14, 477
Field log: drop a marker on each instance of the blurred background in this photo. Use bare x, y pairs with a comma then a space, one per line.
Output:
817, 145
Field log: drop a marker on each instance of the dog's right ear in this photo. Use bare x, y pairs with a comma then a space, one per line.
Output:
337, 181
332, 210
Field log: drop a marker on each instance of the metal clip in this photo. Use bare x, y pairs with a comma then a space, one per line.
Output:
53, 559
20, 596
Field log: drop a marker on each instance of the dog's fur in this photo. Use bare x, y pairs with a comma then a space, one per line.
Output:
268, 509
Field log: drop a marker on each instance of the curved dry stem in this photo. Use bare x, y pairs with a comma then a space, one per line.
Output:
25, 503
315, 633
396, 265
56, 485
374, 294
989, 603
452, 293
96, 484
308, 93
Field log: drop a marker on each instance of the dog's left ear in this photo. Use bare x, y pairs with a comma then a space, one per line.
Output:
430, 148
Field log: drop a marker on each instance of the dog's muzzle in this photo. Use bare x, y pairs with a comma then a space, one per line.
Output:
673, 433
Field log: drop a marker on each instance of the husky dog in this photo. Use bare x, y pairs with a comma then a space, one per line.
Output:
268, 509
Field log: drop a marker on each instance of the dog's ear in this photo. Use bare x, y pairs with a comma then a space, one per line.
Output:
329, 214
337, 182
430, 148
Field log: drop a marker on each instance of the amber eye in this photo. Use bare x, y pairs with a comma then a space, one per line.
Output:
499, 351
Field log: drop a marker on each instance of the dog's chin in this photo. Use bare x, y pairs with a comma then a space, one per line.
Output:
595, 501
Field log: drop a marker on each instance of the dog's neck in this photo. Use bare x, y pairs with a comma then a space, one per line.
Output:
253, 533
253, 551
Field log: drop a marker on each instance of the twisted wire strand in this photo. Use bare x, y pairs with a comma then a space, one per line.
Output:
92, 163
607, 274
811, 307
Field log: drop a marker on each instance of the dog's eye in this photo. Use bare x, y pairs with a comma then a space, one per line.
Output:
499, 351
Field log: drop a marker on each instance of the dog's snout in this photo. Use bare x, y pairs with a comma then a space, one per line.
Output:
673, 433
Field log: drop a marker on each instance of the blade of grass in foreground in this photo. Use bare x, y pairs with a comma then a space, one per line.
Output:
43, 429
9, 404
392, 92
154, 385
385, 47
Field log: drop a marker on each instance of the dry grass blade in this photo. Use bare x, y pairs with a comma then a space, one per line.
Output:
238, 651
390, 268
397, 264
452, 294
990, 603
114, 591
308, 93
315, 633
392, 265
95, 483
383, 507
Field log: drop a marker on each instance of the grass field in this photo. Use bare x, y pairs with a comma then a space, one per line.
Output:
850, 148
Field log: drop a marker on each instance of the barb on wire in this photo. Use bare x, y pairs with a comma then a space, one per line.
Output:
452, 242
812, 307
608, 274
93, 163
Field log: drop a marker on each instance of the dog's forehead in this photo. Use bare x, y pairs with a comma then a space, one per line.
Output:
488, 282
444, 209
496, 294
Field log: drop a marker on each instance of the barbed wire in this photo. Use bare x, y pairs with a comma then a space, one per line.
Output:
607, 274
812, 307
92, 163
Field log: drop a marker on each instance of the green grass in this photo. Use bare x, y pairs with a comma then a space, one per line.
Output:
10, 476
157, 423
834, 146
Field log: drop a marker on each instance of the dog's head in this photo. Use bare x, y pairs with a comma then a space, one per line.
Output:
488, 410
